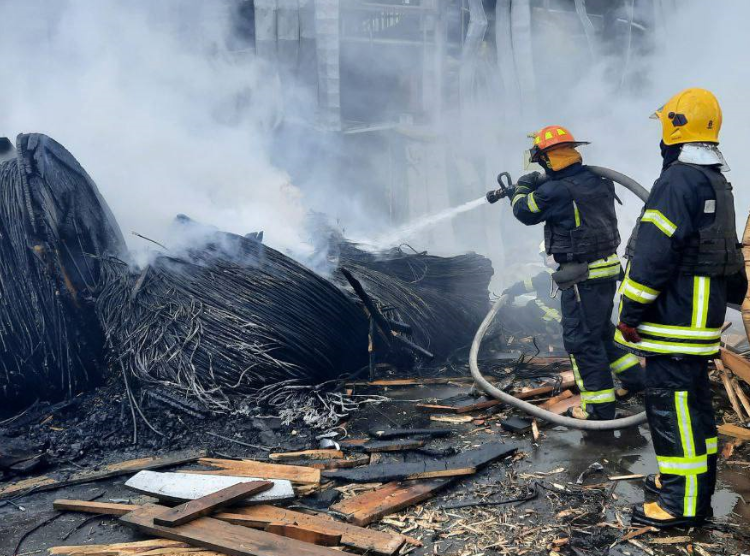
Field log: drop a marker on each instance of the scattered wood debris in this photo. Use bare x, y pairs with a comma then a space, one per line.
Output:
39, 484
206, 505
393, 497
213, 534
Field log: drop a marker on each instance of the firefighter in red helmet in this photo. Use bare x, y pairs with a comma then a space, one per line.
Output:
580, 232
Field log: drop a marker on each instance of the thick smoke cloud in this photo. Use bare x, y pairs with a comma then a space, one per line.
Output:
156, 106
171, 114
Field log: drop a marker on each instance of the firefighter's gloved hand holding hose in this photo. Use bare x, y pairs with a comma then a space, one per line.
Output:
567, 278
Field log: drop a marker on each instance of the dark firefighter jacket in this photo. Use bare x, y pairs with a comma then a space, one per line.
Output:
675, 311
553, 203
543, 307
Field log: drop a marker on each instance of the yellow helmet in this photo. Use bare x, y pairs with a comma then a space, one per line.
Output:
691, 116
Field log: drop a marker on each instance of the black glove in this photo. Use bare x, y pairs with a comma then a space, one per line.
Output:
530, 181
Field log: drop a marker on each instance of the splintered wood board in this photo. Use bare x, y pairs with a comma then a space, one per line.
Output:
39, 484
562, 405
352, 536
303, 534
212, 534
465, 463
371, 506
200, 507
568, 381
181, 487
297, 474
737, 364
151, 546
733, 430
307, 454
259, 517
104, 508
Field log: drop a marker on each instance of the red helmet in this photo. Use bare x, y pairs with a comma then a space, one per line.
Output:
552, 136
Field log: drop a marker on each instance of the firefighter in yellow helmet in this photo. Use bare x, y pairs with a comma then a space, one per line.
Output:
684, 260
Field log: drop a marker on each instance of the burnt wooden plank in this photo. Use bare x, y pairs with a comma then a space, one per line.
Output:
390, 498
39, 484
400, 433
465, 463
200, 507
460, 404
210, 533
354, 460
390, 445
307, 454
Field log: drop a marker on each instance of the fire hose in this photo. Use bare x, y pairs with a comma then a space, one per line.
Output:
491, 390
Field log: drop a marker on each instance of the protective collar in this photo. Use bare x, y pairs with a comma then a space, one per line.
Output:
703, 154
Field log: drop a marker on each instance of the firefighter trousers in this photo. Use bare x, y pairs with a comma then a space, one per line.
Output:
588, 337
683, 429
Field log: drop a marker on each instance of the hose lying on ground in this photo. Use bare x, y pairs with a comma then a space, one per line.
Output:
531, 409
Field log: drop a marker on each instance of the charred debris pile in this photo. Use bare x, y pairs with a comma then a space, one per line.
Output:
217, 324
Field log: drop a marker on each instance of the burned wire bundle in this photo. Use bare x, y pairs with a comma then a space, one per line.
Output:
442, 299
53, 227
228, 317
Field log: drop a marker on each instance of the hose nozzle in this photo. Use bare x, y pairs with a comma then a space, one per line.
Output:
495, 195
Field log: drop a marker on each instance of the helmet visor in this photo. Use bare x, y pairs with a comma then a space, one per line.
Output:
657, 113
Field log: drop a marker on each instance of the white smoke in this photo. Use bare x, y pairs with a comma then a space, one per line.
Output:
150, 99
169, 116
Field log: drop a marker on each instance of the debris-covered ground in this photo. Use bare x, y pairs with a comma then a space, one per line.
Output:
566, 492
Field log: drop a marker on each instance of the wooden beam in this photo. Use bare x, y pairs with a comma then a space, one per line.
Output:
44, 483
561, 406
737, 364
151, 546
321, 538
182, 487
733, 430
371, 506
367, 540
354, 460
400, 433
212, 534
200, 507
564, 395
394, 445
307, 454
465, 463
259, 517
104, 508
248, 468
